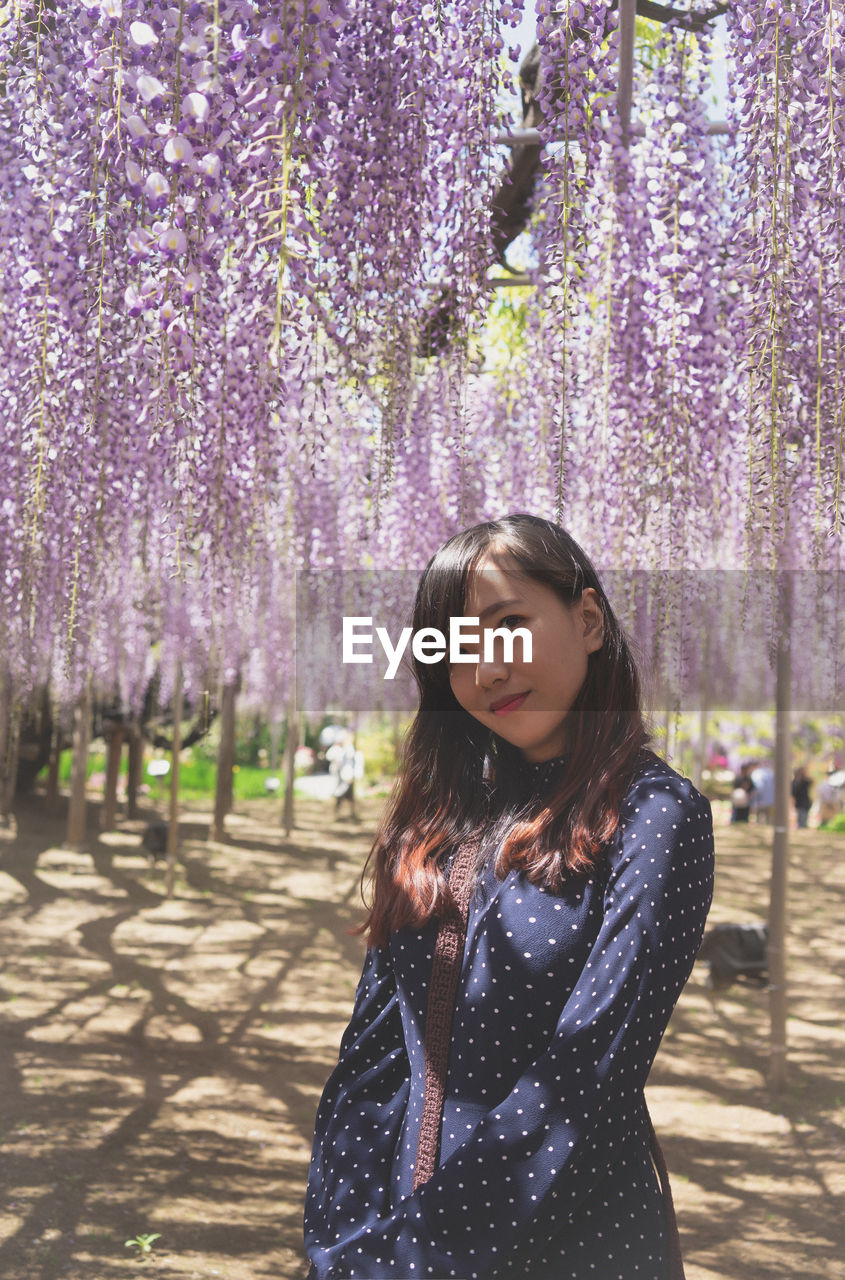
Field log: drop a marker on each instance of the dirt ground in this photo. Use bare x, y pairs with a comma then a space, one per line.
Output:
161, 1061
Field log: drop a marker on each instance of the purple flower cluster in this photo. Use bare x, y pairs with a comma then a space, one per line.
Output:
653, 349
226, 227
222, 227
788, 205
579, 46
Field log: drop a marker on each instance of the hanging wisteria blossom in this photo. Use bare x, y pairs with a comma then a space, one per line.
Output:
230, 231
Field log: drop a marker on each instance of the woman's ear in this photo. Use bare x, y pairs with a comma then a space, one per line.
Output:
592, 618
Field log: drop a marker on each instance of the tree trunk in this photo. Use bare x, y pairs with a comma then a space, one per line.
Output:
224, 793
10, 722
397, 735
625, 78
114, 752
703, 714
173, 823
290, 756
77, 810
669, 729
133, 773
53, 767
778, 999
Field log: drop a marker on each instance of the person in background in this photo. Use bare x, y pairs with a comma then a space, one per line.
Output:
743, 789
830, 797
801, 795
763, 796
347, 765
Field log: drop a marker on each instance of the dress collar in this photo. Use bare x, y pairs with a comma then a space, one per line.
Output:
538, 773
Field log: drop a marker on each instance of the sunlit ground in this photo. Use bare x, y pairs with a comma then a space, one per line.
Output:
162, 1061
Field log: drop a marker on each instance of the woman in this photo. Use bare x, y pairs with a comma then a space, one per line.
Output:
486, 1117
743, 789
801, 785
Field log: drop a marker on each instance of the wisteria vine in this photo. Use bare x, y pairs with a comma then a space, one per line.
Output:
226, 227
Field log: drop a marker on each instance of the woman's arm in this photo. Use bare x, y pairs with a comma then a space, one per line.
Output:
534, 1158
360, 1114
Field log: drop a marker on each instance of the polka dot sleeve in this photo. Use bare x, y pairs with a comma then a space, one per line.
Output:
534, 1159
360, 1112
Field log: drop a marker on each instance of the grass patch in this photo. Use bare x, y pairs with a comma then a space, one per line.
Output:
197, 776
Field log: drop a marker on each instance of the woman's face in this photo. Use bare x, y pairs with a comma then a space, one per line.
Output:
526, 703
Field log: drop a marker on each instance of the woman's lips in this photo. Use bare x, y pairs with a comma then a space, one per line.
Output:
506, 705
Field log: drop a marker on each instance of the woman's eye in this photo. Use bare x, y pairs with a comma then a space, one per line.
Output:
512, 621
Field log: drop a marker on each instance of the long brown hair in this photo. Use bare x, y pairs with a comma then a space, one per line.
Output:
458, 778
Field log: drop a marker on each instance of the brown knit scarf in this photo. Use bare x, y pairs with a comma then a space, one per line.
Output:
445, 973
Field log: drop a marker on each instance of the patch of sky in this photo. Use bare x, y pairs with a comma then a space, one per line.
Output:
523, 36
521, 255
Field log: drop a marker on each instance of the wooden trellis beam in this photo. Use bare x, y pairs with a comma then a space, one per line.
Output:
693, 21
536, 138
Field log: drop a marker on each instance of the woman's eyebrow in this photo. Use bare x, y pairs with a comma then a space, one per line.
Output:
497, 605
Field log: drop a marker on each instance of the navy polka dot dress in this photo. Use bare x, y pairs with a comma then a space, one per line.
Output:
544, 1167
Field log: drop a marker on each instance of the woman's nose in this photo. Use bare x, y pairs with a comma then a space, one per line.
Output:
491, 666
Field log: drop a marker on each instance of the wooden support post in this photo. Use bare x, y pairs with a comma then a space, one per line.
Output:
290, 756
224, 791
133, 771
778, 996
114, 752
78, 809
703, 714
173, 821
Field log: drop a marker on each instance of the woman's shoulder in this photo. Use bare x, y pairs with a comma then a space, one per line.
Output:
665, 832
657, 790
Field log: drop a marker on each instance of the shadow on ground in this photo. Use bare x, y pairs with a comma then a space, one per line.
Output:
162, 1059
